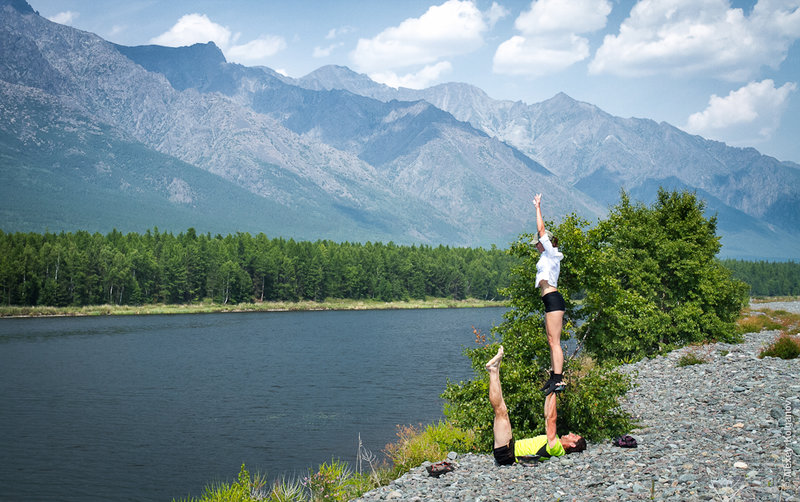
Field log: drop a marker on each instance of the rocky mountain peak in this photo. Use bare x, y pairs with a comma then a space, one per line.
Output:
21, 6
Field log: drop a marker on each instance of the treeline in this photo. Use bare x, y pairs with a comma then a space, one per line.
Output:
767, 278
77, 269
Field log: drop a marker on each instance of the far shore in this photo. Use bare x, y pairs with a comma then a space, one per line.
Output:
208, 308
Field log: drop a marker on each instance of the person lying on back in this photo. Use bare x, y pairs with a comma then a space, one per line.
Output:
506, 449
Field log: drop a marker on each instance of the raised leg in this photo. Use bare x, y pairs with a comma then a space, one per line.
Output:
502, 424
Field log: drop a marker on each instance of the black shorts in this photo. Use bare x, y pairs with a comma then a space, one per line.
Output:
504, 455
553, 301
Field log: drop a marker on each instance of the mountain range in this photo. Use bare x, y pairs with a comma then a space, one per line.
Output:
98, 136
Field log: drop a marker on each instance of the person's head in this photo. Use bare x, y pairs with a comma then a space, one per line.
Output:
573, 443
538, 244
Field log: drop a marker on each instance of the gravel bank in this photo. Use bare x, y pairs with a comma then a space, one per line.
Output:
713, 431
793, 307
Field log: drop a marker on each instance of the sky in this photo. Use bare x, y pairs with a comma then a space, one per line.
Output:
727, 70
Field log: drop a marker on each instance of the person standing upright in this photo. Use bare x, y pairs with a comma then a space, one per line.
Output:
548, 269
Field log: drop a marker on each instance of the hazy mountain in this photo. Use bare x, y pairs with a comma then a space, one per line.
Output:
598, 154
97, 135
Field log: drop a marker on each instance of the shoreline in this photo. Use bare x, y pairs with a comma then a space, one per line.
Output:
17, 312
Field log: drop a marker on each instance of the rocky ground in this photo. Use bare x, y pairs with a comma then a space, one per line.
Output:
723, 430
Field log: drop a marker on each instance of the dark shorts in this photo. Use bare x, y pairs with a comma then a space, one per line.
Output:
553, 301
504, 455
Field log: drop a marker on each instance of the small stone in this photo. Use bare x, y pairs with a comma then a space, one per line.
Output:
739, 389
740, 465
452, 455
394, 495
738, 425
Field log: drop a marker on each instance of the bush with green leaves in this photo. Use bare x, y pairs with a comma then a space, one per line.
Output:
641, 282
650, 278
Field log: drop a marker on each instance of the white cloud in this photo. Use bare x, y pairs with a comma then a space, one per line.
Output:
549, 40
495, 13
338, 32
418, 80
746, 116
192, 29
558, 16
323, 52
198, 28
66, 17
705, 37
452, 28
538, 56
256, 50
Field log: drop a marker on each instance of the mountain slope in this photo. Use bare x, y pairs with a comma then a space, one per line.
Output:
420, 152
178, 137
598, 154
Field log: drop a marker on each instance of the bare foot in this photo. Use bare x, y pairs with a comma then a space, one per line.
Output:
494, 363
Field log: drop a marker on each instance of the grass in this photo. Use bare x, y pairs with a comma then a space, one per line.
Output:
787, 344
784, 346
754, 322
337, 480
204, 308
689, 359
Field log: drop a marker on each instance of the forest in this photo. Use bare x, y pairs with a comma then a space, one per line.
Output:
81, 268
767, 278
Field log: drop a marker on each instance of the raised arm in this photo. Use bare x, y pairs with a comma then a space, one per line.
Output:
550, 418
537, 201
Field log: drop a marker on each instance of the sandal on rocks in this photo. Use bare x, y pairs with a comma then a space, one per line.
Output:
440, 468
625, 442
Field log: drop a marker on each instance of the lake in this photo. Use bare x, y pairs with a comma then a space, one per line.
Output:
158, 407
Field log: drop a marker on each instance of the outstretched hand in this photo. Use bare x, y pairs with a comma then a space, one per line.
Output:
537, 199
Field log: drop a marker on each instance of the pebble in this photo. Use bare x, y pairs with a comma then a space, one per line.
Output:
705, 432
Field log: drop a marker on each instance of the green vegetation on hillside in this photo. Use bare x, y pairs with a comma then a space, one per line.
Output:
78, 269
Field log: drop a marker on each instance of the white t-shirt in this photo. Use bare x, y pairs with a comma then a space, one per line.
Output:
549, 265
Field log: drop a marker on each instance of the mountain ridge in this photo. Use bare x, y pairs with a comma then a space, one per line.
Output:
335, 155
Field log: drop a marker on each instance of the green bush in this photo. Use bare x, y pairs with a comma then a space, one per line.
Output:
650, 277
785, 347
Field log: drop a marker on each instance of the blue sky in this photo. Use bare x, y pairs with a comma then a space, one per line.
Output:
725, 69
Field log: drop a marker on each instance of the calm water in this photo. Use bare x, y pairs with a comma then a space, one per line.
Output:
158, 407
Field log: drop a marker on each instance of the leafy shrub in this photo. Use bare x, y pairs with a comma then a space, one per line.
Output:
651, 279
689, 359
415, 445
785, 347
